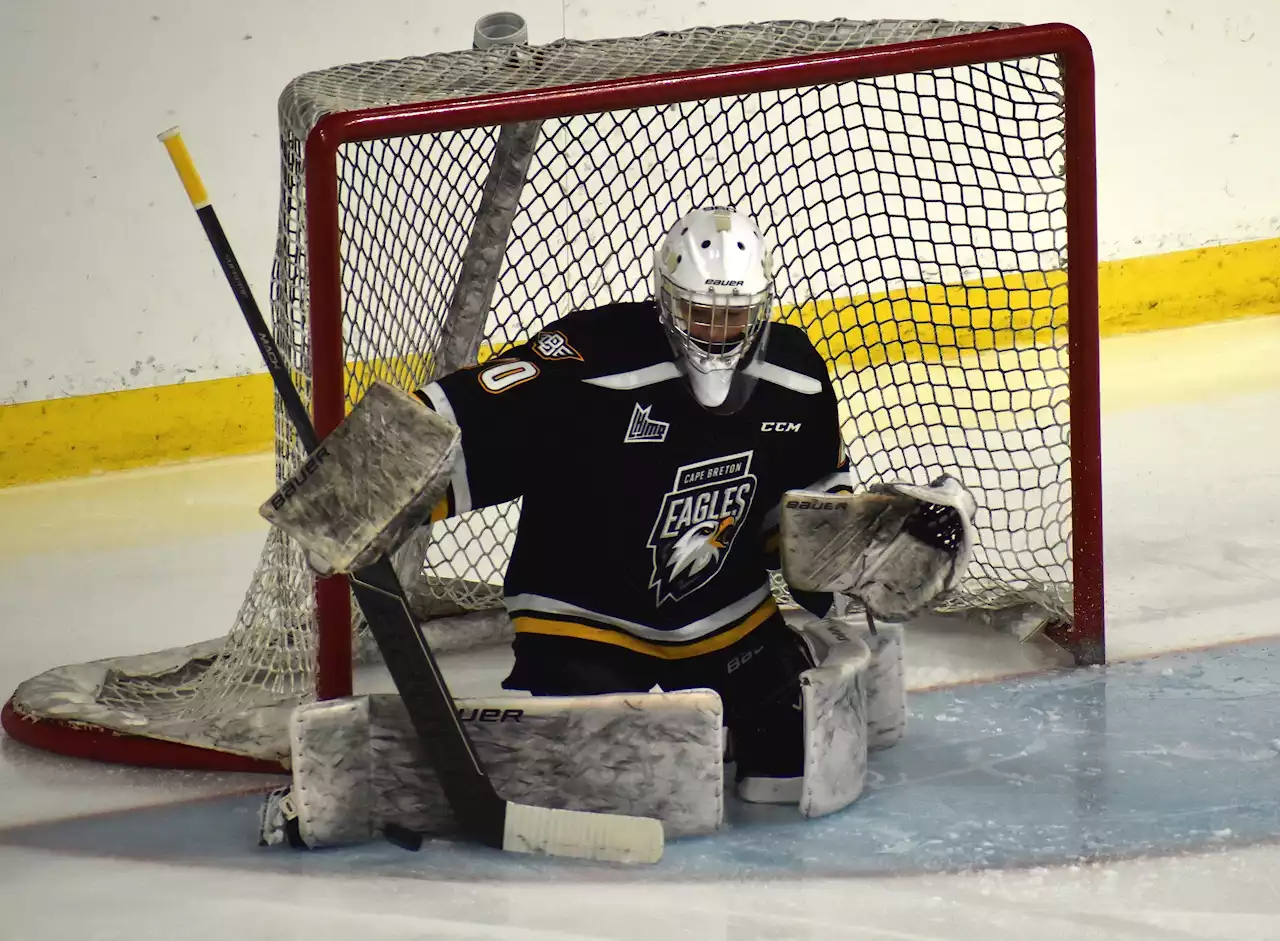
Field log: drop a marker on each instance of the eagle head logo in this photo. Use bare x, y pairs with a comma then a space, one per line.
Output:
698, 548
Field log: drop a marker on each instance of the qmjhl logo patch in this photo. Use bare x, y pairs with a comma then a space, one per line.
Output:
642, 428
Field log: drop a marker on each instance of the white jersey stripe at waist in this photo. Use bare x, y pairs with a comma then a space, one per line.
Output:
540, 604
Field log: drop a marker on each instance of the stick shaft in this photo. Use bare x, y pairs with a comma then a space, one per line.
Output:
276, 365
378, 590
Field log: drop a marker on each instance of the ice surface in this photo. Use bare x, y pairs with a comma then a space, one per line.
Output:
1161, 772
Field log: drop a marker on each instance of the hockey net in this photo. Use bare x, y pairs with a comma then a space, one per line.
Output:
923, 181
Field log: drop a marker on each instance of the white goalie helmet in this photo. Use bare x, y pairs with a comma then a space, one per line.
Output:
713, 282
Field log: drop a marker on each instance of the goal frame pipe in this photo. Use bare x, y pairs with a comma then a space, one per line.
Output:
1086, 635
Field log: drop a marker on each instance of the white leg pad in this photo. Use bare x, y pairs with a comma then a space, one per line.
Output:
357, 765
886, 675
886, 685
835, 734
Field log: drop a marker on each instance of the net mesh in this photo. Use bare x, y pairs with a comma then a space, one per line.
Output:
920, 220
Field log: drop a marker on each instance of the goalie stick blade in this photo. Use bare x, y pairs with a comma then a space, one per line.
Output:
582, 835
823, 535
481, 812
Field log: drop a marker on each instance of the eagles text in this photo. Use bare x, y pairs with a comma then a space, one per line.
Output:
683, 512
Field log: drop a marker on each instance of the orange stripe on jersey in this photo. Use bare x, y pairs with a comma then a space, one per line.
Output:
534, 625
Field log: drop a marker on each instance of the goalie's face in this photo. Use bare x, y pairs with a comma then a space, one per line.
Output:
718, 327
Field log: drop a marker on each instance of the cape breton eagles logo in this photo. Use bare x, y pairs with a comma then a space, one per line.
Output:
697, 523
552, 344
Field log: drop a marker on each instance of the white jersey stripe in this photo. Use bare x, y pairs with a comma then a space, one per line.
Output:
693, 631
637, 378
461, 487
781, 376
842, 478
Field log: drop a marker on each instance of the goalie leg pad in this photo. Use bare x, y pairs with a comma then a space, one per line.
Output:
764, 711
835, 734
358, 766
886, 675
371, 482
853, 702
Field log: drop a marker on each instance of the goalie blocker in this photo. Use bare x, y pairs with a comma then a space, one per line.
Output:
896, 547
371, 482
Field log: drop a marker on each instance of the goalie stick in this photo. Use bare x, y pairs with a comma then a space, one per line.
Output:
480, 811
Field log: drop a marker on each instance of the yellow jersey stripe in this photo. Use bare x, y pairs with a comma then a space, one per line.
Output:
441, 510
535, 625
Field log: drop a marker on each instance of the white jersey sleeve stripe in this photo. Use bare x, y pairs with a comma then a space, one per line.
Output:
458, 480
839, 480
781, 376
637, 378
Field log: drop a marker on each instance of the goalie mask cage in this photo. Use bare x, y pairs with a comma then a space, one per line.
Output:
929, 186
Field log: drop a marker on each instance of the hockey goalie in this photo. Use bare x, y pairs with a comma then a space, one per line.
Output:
669, 453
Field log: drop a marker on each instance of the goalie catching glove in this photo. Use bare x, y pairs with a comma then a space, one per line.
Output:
896, 547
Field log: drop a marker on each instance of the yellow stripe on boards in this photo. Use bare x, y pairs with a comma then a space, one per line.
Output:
938, 323
1188, 288
85, 434
532, 625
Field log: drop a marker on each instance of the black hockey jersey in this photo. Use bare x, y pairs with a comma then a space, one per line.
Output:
647, 521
